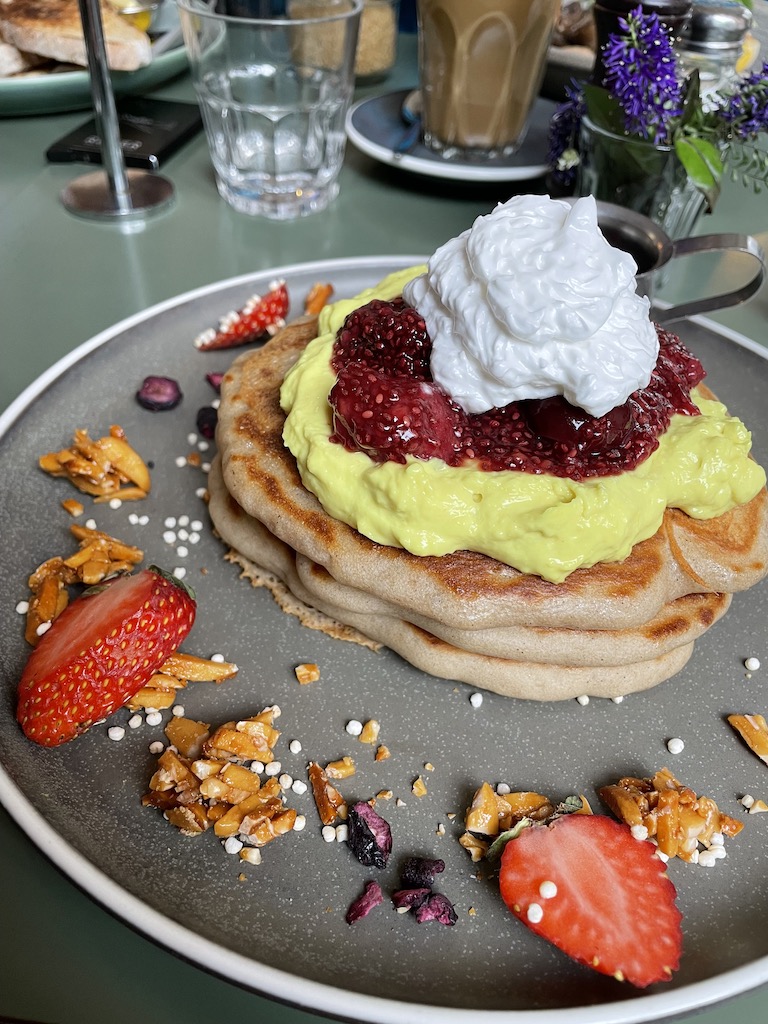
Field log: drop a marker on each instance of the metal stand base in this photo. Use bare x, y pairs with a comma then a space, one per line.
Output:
93, 196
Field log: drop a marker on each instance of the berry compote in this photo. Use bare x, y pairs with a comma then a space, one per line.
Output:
386, 404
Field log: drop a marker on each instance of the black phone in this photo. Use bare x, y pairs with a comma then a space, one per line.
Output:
150, 131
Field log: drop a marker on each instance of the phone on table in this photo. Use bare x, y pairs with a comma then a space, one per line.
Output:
150, 131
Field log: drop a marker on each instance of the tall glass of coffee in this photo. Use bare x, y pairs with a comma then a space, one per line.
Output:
481, 63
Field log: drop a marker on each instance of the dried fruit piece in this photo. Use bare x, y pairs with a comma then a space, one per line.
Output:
206, 420
672, 813
753, 729
409, 899
261, 315
159, 393
609, 903
436, 907
420, 871
100, 651
369, 837
371, 897
107, 468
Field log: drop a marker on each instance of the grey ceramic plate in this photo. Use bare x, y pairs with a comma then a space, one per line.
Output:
71, 90
375, 127
282, 930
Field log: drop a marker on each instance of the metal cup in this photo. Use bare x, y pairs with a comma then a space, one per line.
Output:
653, 251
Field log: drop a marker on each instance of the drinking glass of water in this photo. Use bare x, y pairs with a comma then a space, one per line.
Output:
274, 80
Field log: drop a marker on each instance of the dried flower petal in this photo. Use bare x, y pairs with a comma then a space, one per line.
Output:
436, 908
159, 393
207, 417
420, 871
370, 897
408, 899
369, 837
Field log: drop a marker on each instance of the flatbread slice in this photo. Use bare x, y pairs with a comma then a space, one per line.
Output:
53, 29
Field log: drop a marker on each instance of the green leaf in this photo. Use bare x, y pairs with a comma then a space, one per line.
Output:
496, 848
604, 110
702, 164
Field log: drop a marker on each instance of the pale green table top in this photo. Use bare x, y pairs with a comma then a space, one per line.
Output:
62, 280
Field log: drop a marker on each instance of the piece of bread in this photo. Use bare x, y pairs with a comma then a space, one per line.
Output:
15, 62
53, 29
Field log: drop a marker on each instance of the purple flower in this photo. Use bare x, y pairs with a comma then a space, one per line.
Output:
641, 74
563, 157
746, 110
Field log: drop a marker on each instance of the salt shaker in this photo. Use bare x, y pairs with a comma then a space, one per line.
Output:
712, 43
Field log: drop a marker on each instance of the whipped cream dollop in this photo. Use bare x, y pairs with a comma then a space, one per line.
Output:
531, 302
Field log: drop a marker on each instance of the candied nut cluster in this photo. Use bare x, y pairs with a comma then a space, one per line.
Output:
753, 729
491, 813
317, 297
98, 557
331, 805
159, 692
673, 815
202, 782
106, 468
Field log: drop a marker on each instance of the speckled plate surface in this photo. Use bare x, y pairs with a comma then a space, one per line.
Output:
281, 930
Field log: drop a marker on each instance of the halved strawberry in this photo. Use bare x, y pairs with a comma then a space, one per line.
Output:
262, 314
587, 885
100, 651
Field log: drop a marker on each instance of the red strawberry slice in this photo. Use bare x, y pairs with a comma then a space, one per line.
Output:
262, 314
611, 906
100, 651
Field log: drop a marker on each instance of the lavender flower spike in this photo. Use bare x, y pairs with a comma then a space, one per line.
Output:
641, 73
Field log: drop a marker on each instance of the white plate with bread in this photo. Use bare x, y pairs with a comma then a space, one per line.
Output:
43, 67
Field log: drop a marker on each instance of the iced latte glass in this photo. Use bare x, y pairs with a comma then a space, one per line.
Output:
481, 63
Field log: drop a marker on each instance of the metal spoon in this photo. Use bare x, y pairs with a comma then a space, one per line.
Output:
410, 112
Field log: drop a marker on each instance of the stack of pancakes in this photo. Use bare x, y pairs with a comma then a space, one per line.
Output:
606, 631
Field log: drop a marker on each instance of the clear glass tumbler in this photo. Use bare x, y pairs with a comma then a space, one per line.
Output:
274, 90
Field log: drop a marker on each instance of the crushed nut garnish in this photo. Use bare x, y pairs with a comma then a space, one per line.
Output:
307, 673
370, 733
215, 790
419, 788
106, 468
251, 739
672, 813
98, 556
340, 769
73, 507
317, 297
180, 669
753, 729
382, 753
330, 804
492, 812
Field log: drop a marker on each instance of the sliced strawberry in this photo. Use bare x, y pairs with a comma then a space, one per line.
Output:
261, 315
613, 907
100, 651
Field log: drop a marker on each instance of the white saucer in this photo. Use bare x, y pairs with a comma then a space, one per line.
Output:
375, 127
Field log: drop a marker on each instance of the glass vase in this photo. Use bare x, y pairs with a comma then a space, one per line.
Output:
639, 176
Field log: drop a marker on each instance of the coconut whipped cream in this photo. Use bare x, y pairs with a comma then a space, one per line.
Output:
532, 302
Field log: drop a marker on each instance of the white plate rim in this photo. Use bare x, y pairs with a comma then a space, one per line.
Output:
432, 168
260, 977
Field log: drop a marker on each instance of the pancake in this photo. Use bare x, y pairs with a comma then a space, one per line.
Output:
609, 630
